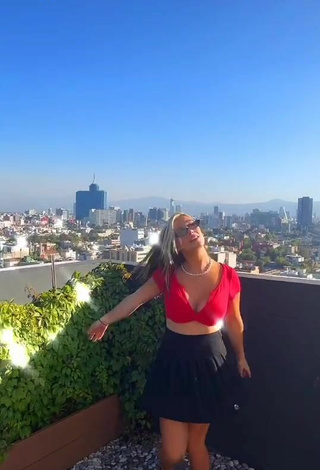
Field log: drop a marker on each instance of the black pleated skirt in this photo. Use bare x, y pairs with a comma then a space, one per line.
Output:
190, 379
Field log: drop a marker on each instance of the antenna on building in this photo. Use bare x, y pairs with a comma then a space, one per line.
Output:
94, 178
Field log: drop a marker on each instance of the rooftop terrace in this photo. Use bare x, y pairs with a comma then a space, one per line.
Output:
278, 430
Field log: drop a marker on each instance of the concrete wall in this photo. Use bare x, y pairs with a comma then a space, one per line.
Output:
13, 281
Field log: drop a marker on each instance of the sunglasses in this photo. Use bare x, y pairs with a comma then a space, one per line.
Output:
183, 231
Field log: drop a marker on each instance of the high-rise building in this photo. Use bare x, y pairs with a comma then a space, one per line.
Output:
125, 216
30, 212
153, 214
305, 210
165, 216
228, 221
139, 220
269, 220
171, 208
62, 213
118, 213
119, 216
92, 199
283, 213
178, 208
131, 215
216, 210
213, 222
204, 219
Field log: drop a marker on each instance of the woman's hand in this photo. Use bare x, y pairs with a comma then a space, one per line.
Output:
243, 368
96, 331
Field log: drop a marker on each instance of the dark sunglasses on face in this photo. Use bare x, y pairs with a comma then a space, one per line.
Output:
183, 231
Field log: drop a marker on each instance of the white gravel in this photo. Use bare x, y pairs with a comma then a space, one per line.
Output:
141, 453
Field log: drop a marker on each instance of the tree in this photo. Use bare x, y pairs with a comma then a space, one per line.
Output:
264, 261
247, 255
34, 239
269, 237
247, 243
93, 236
282, 261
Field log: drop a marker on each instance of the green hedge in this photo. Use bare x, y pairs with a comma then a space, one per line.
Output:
66, 372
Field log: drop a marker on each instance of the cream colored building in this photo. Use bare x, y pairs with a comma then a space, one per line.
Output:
222, 256
100, 217
126, 254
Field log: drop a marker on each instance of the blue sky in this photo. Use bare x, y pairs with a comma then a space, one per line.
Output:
200, 100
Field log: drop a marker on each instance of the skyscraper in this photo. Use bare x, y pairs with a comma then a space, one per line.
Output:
139, 220
283, 213
125, 216
153, 214
305, 210
270, 219
131, 215
62, 213
171, 208
178, 208
87, 200
163, 214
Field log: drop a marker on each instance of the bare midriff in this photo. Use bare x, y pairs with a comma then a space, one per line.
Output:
192, 328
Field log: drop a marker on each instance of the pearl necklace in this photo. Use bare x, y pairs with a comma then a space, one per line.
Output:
208, 267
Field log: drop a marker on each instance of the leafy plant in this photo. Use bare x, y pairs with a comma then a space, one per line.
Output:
48, 367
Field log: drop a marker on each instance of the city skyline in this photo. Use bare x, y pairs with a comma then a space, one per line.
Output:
171, 204
220, 99
196, 208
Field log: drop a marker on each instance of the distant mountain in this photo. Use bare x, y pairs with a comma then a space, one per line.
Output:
195, 208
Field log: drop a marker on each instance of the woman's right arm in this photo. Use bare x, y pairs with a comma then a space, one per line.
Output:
124, 309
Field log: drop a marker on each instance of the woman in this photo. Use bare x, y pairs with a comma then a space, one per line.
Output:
186, 385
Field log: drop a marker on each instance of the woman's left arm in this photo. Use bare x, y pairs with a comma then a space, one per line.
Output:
234, 324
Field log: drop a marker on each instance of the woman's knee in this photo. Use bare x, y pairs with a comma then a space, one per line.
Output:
174, 441
172, 456
197, 434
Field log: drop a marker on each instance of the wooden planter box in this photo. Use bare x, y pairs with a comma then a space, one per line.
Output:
63, 444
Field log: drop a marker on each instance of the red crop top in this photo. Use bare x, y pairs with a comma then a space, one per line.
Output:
178, 308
